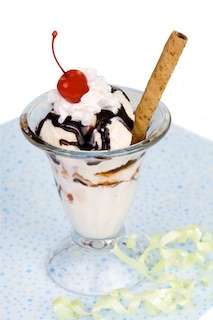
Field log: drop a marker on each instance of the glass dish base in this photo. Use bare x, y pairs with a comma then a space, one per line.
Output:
89, 267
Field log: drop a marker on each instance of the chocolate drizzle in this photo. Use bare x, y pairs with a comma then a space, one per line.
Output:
85, 135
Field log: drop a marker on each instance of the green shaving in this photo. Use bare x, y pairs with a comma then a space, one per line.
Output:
173, 290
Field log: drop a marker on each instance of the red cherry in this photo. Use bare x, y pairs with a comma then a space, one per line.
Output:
73, 83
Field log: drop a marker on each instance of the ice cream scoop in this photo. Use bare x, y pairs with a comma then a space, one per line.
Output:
86, 112
98, 122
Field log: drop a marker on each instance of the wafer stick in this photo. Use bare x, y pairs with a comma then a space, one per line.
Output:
157, 83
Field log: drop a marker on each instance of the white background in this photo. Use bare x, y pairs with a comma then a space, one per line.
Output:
122, 39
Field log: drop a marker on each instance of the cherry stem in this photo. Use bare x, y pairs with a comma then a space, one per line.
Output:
54, 34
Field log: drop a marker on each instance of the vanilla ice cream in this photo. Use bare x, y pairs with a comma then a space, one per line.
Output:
96, 194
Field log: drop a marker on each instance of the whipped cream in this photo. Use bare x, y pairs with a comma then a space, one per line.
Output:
99, 97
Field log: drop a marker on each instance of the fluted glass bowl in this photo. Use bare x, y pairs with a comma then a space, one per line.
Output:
96, 189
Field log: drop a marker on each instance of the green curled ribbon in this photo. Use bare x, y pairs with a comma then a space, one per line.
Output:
175, 291
168, 255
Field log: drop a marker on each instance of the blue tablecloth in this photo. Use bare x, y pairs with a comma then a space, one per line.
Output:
175, 190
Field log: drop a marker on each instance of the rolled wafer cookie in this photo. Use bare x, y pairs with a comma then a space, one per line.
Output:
157, 83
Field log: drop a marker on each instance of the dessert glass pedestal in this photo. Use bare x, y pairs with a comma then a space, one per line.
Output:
96, 189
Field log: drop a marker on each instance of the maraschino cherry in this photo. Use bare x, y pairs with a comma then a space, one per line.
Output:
72, 85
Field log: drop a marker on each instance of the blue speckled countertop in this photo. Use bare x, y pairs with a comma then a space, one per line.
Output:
175, 190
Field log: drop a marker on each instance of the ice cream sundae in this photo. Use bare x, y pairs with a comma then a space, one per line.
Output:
96, 141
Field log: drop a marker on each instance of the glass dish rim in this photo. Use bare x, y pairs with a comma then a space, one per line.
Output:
103, 154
